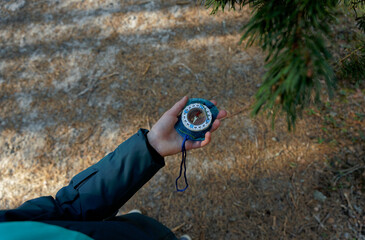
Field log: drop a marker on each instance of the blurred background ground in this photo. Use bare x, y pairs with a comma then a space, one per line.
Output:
77, 78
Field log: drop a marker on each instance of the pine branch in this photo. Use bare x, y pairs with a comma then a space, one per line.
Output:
350, 54
360, 20
292, 32
221, 4
352, 66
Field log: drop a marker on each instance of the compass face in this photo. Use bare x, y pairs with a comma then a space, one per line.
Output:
196, 117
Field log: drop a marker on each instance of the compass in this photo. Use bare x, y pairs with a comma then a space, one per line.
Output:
196, 119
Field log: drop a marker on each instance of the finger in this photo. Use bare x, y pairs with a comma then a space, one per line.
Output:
215, 125
198, 144
222, 114
208, 137
214, 102
176, 109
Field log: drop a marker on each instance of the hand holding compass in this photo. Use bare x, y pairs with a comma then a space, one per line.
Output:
166, 140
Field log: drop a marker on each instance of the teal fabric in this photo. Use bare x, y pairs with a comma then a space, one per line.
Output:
35, 230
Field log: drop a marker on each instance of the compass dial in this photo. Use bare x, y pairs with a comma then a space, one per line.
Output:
196, 117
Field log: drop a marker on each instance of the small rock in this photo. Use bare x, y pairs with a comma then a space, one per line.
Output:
233, 136
358, 209
275, 139
331, 221
352, 149
161, 110
319, 196
16, 5
333, 114
165, 39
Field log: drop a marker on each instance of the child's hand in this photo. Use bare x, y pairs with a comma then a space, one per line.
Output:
164, 138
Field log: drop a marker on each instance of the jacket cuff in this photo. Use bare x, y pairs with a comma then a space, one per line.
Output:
155, 155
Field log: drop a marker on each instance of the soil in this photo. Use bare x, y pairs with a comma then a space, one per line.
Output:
77, 78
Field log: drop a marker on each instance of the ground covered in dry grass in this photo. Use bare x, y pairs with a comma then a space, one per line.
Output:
79, 77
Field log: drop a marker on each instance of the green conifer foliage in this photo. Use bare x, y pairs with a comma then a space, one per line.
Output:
356, 5
293, 33
353, 66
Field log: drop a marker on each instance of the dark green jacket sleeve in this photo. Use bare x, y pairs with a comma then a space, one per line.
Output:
99, 191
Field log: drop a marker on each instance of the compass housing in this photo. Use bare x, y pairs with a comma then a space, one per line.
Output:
196, 119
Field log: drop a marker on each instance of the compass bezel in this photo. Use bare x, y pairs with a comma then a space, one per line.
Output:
189, 125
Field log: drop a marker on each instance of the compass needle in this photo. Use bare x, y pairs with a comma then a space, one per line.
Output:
195, 118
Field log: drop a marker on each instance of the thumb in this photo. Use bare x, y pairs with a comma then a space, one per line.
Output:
176, 109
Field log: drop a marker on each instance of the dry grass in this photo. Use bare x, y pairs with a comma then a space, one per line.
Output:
78, 78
